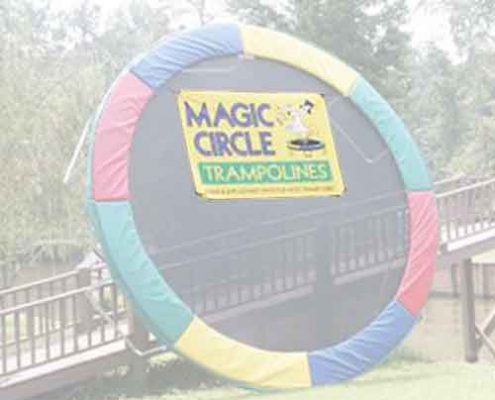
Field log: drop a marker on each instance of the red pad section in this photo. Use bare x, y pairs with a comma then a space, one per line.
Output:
423, 248
114, 135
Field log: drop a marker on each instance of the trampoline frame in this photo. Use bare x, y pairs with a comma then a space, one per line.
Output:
163, 312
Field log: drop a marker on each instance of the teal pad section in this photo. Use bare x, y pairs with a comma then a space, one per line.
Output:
163, 311
406, 153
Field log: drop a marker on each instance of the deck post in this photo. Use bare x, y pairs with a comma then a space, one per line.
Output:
468, 312
85, 310
322, 285
139, 337
486, 269
454, 274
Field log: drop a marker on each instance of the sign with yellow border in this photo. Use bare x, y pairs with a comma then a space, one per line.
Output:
259, 145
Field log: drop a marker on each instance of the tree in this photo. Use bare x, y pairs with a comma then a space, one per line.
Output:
434, 114
472, 26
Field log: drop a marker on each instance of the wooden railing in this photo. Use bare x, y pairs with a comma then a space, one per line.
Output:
81, 310
457, 182
54, 318
466, 211
38, 290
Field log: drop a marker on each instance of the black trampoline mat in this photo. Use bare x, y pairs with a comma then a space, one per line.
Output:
282, 274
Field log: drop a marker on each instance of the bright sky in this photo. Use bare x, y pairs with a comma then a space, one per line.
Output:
431, 27
425, 27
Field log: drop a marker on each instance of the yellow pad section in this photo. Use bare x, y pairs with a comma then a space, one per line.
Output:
278, 46
243, 363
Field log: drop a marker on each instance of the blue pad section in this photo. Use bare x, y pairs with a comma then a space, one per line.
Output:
367, 348
407, 156
186, 49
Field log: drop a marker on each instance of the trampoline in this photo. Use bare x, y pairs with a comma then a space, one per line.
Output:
262, 206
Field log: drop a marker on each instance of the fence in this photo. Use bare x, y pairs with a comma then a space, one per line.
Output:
53, 318
467, 210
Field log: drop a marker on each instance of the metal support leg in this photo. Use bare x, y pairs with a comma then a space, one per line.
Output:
468, 312
139, 337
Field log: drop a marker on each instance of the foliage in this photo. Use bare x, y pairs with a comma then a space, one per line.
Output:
473, 31
55, 68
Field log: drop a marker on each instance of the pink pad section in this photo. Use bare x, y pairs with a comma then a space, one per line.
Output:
114, 135
423, 248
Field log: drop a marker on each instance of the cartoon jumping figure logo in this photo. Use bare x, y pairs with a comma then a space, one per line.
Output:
295, 123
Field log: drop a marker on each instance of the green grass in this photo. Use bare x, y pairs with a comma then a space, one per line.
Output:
405, 377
